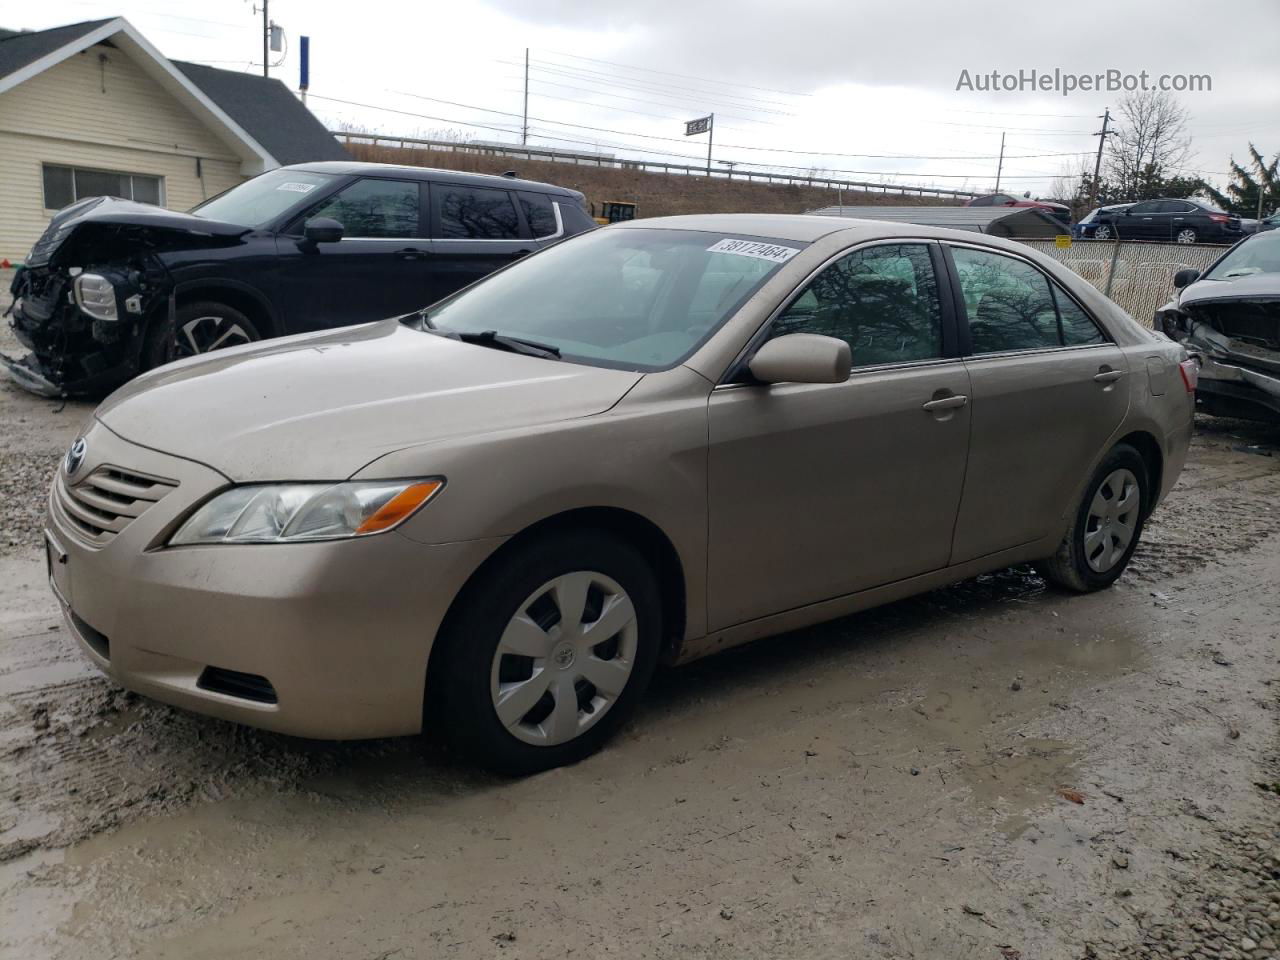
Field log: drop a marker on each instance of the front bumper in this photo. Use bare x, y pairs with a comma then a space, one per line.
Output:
1237, 390
342, 630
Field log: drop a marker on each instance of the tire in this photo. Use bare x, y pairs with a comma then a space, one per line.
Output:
1102, 233
517, 604
199, 327
1186, 235
1094, 554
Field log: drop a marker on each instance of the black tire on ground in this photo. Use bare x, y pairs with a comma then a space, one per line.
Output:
462, 669
1069, 567
200, 326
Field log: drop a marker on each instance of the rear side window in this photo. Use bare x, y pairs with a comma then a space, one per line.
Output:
1013, 306
538, 213
882, 300
475, 213
375, 208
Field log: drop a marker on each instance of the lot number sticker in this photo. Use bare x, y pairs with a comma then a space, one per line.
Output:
754, 248
293, 187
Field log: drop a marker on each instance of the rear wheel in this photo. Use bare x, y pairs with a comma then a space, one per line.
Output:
198, 327
1107, 527
550, 651
1186, 235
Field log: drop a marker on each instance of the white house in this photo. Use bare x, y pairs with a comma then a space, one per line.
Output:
93, 108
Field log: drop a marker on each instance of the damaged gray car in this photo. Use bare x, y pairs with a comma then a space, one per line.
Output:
1229, 320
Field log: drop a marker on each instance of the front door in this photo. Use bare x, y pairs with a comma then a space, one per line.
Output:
1048, 389
379, 267
821, 490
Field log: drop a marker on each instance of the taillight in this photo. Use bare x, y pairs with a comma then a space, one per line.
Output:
1190, 371
1219, 218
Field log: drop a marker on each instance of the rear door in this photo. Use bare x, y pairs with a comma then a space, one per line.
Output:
1048, 390
821, 490
477, 230
376, 270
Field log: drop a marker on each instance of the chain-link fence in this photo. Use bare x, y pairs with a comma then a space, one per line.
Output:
1138, 276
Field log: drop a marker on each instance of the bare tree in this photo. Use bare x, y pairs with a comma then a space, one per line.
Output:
1150, 145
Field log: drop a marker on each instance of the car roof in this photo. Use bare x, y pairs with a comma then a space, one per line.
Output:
356, 168
806, 228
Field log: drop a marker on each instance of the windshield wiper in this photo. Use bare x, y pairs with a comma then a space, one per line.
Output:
501, 341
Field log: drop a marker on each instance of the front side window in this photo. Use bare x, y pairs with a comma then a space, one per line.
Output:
475, 213
634, 299
375, 209
1013, 306
883, 301
65, 185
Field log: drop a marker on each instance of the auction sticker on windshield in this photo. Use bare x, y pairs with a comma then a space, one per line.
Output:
296, 187
754, 248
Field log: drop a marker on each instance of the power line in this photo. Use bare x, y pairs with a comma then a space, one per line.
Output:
664, 73
618, 96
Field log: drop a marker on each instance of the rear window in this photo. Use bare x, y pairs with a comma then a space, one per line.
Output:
475, 213
538, 213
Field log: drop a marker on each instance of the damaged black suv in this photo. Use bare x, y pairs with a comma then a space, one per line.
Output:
113, 287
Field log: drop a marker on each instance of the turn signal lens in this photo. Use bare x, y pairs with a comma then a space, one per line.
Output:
401, 506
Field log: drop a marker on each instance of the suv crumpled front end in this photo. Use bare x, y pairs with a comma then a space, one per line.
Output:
92, 287
1232, 328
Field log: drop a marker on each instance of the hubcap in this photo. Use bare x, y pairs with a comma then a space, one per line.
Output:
1113, 517
1102, 233
210, 333
564, 658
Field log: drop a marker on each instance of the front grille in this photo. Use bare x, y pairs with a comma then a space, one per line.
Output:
107, 500
233, 683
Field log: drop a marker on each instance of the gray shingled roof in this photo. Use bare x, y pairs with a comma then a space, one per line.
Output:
265, 109
268, 112
997, 221
21, 48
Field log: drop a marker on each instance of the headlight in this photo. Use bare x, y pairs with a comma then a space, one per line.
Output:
289, 512
96, 296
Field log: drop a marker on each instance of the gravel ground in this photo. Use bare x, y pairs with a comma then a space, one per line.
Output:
990, 770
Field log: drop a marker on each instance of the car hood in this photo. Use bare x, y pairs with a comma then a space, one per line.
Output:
321, 406
1263, 286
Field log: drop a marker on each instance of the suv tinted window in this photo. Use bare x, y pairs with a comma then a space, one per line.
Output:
538, 213
1008, 302
882, 300
475, 213
375, 208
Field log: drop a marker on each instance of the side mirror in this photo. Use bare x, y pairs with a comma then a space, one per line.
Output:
1185, 278
802, 358
322, 230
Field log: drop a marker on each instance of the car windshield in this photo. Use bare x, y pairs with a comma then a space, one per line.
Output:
1258, 254
635, 299
260, 200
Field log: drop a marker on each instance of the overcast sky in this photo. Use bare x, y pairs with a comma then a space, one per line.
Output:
868, 89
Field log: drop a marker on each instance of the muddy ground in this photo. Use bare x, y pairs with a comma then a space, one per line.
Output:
992, 770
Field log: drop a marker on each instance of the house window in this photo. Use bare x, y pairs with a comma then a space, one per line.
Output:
66, 185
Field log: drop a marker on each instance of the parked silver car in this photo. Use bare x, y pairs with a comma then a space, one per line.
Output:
650, 442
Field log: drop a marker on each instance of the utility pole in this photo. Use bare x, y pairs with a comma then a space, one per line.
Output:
1000, 165
524, 130
711, 127
1097, 163
266, 40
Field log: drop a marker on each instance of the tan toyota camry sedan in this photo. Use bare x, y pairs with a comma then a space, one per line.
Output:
647, 443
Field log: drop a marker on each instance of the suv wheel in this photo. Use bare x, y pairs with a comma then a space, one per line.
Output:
1186, 235
199, 327
549, 653
1107, 527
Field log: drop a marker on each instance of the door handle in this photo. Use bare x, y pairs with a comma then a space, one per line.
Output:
945, 403
412, 253
1108, 376
520, 253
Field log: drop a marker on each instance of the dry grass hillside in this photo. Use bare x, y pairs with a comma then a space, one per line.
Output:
656, 194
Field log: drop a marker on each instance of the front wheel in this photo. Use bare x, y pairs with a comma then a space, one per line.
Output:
1102, 233
1108, 524
198, 327
550, 651
1186, 235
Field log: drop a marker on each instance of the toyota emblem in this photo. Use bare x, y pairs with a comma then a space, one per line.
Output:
75, 456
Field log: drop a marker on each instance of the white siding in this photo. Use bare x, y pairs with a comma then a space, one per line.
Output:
107, 116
